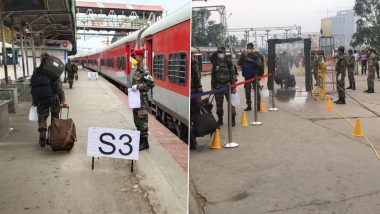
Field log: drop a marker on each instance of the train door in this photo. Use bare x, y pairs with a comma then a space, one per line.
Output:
128, 66
149, 54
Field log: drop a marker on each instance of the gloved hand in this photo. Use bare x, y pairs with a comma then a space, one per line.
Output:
134, 88
148, 77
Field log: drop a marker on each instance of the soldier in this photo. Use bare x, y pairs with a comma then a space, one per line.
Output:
71, 70
221, 76
54, 107
142, 81
282, 69
372, 60
195, 103
351, 69
340, 68
252, 66
314, 65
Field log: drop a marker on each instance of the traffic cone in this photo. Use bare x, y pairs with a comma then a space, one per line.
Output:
244, 120
216, 141
262, 106
329, 104
358, 130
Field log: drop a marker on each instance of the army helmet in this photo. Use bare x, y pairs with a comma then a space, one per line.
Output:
341, 49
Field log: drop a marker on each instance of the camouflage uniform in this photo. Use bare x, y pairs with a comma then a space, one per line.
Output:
314, 64
372, 60
140, 115
43, 111
196, 87
71, 70
351, 70
222, 75
282, 69
340, 68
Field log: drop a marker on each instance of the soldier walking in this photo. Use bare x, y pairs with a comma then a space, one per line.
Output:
351, 70
71, 70
142, 81
340, 68
221, 76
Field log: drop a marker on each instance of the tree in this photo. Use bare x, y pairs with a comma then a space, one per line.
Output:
243, 43
234, 41
205, 32
368, 24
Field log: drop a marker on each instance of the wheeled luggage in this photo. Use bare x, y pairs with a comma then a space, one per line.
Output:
62, 133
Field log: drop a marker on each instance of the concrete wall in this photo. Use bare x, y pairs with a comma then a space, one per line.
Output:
4, 118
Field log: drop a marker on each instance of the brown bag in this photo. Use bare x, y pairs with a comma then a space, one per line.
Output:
62, 133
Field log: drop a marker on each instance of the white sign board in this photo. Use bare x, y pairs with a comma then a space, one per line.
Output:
92, 75
115, 143
134, 100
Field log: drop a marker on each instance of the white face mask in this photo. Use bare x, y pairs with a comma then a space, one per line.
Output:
220, 55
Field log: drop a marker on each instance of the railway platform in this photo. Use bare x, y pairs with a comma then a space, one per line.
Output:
303, 159
38, 180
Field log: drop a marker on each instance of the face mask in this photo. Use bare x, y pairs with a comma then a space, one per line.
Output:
220, 55
133, 61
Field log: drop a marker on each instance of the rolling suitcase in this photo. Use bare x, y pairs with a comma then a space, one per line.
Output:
62, 133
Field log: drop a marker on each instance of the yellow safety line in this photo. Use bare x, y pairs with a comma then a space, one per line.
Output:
365, 137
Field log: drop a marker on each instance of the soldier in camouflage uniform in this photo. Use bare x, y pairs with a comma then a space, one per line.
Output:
351, 69
43, 111
340, 68
195, 103
71, 70
314, 65
142, 81
372, 61
282, 69
221, 76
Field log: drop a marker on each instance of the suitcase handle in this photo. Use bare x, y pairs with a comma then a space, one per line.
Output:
60, 112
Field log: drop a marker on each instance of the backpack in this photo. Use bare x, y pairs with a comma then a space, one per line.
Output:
44, 91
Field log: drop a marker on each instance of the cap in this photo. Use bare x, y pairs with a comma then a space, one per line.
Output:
138, 52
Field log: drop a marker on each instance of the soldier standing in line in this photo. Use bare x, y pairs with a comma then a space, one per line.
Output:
372, 60
195, 103
351, 70
252, 66
142, 81
314, 65
221, 76
340, 68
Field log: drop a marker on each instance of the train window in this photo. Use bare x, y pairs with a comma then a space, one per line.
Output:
159, 66
205, 58
109, 62
123, 65
102, 62
118, 62
177, 68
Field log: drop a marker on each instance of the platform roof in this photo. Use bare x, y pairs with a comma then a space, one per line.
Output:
48, 19
105, 8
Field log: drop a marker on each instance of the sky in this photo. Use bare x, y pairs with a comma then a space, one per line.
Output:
277, 13
169, 6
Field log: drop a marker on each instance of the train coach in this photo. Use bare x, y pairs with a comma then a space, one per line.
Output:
167, 51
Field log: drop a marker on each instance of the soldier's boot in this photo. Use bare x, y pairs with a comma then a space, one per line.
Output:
353, 86
249, 108
42, 140
350, 87
368, 90
220, 120
336, 101
233, 120
144, 144
341, 101
371, 90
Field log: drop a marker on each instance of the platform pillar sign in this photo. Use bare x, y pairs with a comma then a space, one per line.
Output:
113, 143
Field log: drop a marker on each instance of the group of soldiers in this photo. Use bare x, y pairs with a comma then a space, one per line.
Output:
224, 75
347, 62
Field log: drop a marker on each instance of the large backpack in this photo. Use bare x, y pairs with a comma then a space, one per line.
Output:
53, 67
44, 91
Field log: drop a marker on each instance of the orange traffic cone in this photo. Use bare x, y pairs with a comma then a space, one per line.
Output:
329, 104
358, 130
216, 141
244, 120
262, 106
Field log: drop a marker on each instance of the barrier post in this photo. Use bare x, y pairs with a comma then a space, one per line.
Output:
230, 144
273, 104
256, 122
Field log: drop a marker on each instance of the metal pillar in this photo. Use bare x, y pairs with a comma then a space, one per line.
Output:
271, 47
308, 79
256, 122
26, 54
33, 52
4, 50
22, 54
230, 144
14, 54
